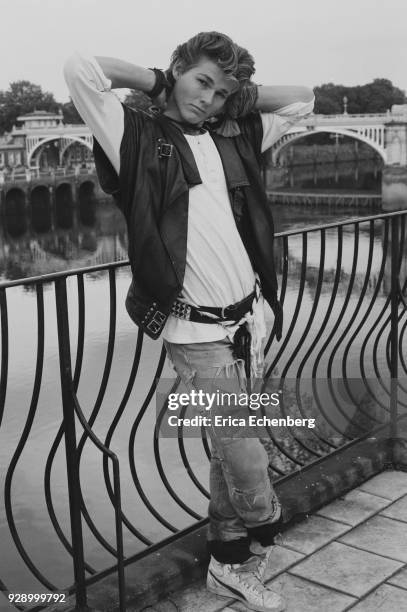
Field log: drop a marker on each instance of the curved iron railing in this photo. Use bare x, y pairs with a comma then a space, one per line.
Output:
341, 361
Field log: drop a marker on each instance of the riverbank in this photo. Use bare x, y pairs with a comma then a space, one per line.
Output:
298, 154
329, 198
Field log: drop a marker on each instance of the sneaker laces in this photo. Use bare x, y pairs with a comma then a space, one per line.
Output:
263, 562
249, 576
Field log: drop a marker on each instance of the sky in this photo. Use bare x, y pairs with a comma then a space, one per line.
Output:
299, 42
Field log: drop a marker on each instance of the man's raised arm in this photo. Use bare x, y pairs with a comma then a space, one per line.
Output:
281, 107
273, 97
124, 74
90, 82
99, 107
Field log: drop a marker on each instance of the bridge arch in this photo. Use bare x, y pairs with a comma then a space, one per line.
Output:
15, 212
41, 216
64, 213
291, 137
40, 194
67, 140
86, 189
15, 200
66, 143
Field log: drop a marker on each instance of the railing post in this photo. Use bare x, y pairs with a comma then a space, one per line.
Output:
72, 464
394, 298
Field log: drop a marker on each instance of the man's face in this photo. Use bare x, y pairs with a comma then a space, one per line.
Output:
199, 93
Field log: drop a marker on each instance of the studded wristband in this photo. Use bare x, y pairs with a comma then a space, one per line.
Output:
160, 83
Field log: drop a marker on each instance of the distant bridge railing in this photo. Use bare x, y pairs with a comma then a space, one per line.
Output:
345, 117
343, 357
28, 175
361, 118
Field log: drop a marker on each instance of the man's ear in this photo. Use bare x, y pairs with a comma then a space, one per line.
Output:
177, 70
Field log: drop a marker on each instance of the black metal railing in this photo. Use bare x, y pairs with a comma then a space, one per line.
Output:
111, 488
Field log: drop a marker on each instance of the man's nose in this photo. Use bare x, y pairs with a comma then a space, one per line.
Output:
207, 97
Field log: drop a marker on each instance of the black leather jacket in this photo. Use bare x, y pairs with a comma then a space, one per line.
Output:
157, 169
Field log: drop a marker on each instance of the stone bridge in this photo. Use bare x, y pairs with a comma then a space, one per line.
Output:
386, 133
67, 135
20, 190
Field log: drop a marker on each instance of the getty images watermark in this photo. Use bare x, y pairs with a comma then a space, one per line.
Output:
305, 408
230, 413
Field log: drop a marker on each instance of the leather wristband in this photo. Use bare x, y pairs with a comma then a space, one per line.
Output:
160, 83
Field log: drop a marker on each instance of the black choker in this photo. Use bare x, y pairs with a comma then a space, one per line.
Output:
188, 128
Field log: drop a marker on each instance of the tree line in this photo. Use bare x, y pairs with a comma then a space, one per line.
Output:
24, 97
376, 97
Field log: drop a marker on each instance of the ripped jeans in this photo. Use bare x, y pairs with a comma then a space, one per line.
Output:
243, 504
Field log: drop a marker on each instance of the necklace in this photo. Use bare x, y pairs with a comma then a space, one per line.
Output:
188, 128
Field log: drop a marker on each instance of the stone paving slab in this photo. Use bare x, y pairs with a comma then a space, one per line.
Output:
281, 558
347, 569
166, 606
389, 484
354, 508
397, 511
195, 597
303, 596
387, 598
380, 535
356, 547
399, 579
311, 534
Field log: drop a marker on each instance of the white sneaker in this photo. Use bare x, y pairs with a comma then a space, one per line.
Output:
241, 581
263, 554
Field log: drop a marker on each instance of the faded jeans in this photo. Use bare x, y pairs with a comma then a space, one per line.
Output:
242, 500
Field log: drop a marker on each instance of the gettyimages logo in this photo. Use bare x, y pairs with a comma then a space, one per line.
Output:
227, 413
206, 401
306, 409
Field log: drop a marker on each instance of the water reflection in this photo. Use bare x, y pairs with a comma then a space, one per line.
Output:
318, 163
47, 236
50, 234
356, 176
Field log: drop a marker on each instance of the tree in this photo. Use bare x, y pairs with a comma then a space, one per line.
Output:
70, 113
381, 95
138, 99
329, 99
20, 98
375, 97
326, 105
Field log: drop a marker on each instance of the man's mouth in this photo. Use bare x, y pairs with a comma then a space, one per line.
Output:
197, 110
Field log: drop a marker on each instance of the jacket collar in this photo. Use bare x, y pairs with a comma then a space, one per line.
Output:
232, 164
177, 138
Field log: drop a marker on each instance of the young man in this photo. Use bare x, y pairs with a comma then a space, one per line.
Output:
201, 250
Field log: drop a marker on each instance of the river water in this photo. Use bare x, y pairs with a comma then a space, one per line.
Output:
94, 232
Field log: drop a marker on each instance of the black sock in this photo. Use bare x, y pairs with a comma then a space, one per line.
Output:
265, 534
231, 551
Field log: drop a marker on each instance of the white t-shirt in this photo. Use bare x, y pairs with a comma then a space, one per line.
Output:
218, 271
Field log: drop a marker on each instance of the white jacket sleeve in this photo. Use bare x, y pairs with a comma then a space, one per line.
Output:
277, 123
98, 106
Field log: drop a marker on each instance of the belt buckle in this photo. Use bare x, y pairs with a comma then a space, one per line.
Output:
231, 307
165, 149
156, 322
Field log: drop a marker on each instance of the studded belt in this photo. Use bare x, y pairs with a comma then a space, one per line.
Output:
213, 314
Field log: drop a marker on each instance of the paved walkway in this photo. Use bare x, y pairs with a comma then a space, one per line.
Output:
352, 554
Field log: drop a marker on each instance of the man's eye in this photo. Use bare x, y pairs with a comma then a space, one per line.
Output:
202, 81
